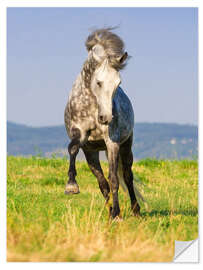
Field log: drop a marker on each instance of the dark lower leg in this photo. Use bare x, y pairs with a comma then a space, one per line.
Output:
72, 186
72, 171
115, 210
94, 165
127, 161
128, 177
113, 156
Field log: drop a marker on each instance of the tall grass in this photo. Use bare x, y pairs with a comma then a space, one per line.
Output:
44, 224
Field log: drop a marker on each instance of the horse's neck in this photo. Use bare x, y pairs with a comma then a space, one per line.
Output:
81, 86
88, 70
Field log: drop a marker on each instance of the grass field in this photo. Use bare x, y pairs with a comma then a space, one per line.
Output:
44, 224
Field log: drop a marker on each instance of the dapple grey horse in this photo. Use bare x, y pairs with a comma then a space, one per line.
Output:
99, 116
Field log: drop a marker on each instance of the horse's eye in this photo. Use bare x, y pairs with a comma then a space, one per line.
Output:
99, 83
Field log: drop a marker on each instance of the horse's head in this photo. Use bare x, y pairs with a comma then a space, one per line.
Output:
105, 80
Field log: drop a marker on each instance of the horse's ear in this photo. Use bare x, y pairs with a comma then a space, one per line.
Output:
98, 52
123, 57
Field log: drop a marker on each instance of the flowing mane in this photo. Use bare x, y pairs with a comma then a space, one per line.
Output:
112, 44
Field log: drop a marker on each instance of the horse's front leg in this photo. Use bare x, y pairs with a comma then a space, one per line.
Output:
73, 149
113, 158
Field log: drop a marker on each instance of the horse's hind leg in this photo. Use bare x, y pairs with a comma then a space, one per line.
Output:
127, 161
94, 165
73, 148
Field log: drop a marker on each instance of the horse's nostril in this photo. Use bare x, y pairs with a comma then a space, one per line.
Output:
101, 118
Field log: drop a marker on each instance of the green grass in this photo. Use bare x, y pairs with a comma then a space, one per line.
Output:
44, 224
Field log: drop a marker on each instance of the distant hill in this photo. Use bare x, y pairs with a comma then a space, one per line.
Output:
151, 140
168, 141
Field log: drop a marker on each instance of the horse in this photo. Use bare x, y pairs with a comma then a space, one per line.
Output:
99, 117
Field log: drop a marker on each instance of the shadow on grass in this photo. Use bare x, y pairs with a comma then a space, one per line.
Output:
193, 212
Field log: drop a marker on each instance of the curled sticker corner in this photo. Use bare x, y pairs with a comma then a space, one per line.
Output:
186, 251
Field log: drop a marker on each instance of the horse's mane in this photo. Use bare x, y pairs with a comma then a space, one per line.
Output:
112, 44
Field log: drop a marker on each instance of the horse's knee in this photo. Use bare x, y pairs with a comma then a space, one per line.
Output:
115, 186
75, 133
114, 183
73, 148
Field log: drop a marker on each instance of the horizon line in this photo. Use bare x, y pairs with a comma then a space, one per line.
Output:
139, 122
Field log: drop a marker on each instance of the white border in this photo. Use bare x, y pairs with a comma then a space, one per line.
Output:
3, 133
75, 3
101, 3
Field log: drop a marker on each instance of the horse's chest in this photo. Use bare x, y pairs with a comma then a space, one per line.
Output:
96, 135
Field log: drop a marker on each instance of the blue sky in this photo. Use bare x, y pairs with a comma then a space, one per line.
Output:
45, 52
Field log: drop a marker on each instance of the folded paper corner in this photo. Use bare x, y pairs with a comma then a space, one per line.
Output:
186, 251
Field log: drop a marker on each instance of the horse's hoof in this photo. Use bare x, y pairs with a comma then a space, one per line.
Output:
118, 219
137, 214
136, 210
72, 189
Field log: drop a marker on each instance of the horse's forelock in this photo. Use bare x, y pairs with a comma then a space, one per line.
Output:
112, 44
